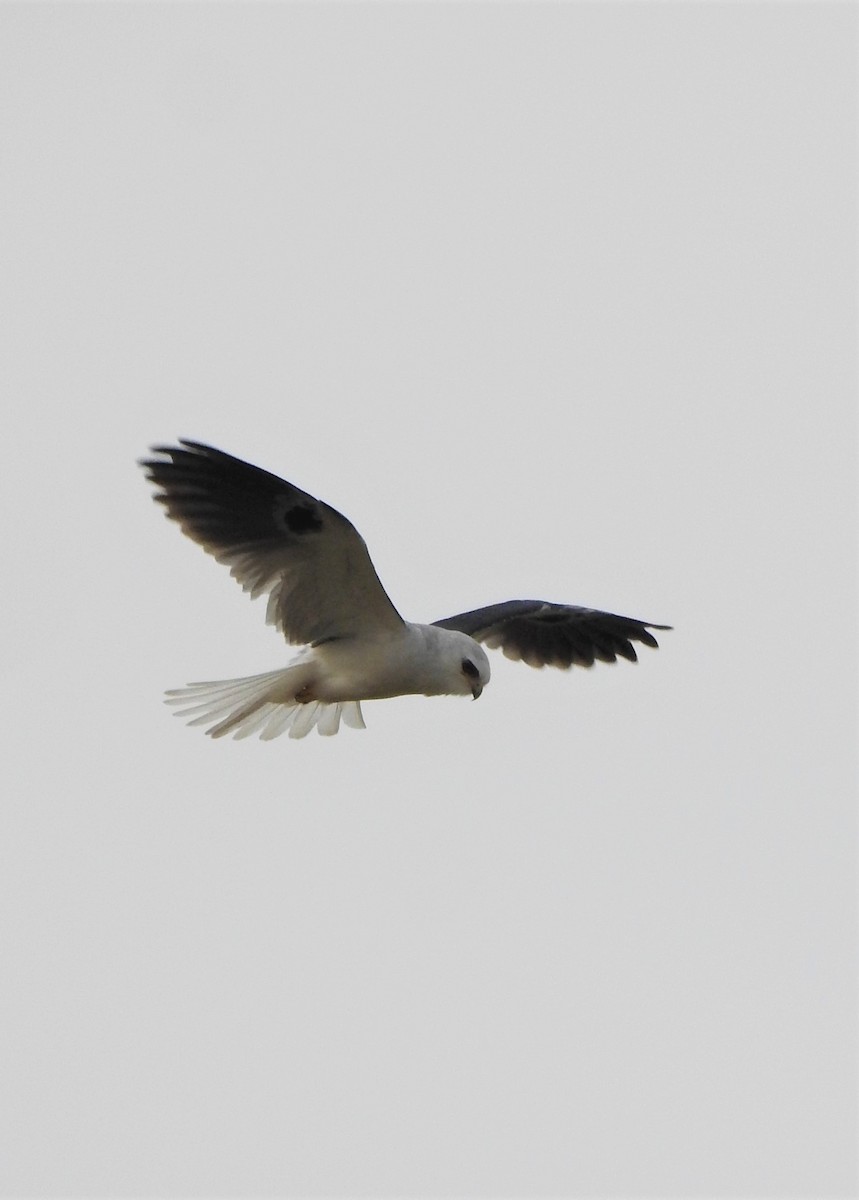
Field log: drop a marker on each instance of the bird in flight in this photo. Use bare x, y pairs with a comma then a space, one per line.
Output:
324, 594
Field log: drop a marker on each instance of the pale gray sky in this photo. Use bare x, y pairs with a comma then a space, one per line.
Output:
551, 300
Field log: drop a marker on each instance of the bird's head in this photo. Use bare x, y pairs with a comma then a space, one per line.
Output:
468, 666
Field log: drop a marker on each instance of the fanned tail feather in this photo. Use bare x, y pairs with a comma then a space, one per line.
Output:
262, 704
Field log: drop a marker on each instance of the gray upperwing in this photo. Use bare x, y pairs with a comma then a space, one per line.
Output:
275, 538
559, 635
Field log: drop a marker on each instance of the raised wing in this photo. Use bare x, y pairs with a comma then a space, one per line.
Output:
277, 539
554, 635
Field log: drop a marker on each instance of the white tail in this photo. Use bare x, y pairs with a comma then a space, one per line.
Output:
262, 704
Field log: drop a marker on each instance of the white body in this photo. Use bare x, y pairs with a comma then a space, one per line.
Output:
326, 682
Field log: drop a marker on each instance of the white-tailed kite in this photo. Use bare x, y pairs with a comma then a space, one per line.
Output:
324, 594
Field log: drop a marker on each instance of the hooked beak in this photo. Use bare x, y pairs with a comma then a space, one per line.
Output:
476, 691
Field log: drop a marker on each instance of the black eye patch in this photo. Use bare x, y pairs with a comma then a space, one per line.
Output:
470, 669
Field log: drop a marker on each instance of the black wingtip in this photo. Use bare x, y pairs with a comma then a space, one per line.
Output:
644, 636
183, 450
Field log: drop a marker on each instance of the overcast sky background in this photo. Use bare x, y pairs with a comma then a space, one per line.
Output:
552, 301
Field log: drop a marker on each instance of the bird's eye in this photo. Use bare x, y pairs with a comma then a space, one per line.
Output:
470, 669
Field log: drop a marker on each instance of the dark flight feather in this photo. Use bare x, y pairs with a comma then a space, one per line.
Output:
557, 635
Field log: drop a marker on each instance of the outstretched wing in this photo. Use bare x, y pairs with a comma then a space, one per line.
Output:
554, 635
277, 539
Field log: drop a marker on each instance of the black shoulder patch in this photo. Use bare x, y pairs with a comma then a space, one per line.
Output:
301, 518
